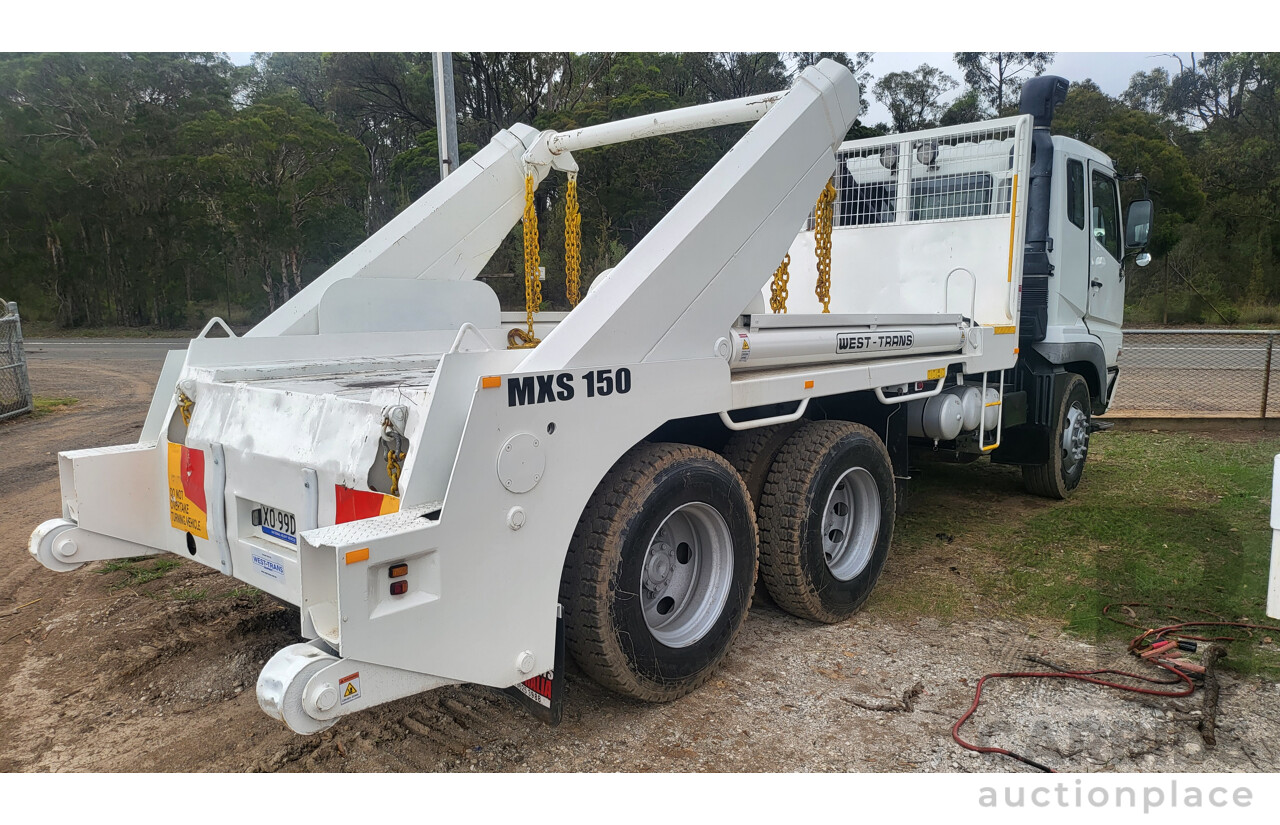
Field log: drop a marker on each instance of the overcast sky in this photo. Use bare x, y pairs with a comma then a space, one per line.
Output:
1110, 70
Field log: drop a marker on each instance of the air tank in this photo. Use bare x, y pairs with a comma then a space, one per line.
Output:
939, 417
970, 405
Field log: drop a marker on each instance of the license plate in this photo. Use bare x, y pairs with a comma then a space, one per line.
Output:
275, 524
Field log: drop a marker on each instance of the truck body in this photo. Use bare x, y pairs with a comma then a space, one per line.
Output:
443, 507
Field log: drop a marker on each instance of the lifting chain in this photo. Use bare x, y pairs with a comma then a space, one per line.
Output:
823, 215
519, 339
185, 406
778, 289
395, 454
572, 240
532, 286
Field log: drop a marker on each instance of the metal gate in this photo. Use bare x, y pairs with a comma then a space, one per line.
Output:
15, 389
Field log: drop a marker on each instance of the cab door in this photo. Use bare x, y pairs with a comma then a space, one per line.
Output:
1105, 311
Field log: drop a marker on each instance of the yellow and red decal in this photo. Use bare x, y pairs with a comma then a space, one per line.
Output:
188, 510
353, 505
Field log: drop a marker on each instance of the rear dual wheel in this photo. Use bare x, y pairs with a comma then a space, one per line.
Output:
826, 520
660, 571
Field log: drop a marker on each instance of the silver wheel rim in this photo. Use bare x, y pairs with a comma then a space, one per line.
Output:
1075, 438
851, 523
686, 574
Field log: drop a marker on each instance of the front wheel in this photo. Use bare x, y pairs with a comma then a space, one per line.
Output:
660, 572
1069, 446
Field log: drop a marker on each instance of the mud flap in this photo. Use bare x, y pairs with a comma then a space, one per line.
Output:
543, 695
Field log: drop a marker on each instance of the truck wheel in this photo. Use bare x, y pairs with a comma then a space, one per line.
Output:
660, 571
751, 453
826, 519
1069, 448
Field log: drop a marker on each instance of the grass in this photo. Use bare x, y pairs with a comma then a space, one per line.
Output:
42, 406
1165, 518
137, 571
143, 570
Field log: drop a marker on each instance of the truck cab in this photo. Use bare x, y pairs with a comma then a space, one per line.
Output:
1077, 245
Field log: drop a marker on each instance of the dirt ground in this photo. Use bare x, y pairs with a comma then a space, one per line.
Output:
160, 677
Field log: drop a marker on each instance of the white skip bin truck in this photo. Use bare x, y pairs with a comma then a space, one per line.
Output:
446, 499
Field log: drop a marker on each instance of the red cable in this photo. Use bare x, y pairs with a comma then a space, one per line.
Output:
1151, 637
1079, 676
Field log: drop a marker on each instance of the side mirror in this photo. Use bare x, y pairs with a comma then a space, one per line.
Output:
1137, 225
1143, 259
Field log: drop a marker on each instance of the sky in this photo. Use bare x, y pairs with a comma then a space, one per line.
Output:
1110, 70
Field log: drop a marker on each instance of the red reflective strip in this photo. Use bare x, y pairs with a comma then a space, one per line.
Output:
193, 477
354, 505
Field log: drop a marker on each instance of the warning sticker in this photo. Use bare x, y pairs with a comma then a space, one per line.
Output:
187, 508
539, 688
349, 687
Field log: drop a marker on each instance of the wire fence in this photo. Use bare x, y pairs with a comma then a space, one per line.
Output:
1198, 373
15, 389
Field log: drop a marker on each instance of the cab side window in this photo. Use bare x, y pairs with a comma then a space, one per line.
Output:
1106, 214
1075, 192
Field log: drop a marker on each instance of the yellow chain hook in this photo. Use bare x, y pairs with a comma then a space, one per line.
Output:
186, 407
823, 216
572, 241
395, 463
778, 289
532, 286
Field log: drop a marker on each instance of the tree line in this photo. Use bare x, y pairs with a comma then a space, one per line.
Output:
159, 189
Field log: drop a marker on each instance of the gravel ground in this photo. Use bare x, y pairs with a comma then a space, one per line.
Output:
107, 678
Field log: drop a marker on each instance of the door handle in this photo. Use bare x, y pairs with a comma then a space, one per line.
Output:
1095, 284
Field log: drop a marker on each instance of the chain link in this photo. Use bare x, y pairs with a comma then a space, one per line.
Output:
395, 455
395, 463
572, 241
823, 215
532, 286
185, 406
778, 289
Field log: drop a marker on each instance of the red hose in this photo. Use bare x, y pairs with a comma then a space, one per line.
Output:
1156, 645
1079, 676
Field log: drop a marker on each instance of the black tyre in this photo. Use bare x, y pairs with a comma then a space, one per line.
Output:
752, 452
1068, 448
659, 575
826, 520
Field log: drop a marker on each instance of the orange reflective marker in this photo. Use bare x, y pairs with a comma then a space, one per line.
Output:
491, 382
354, 556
